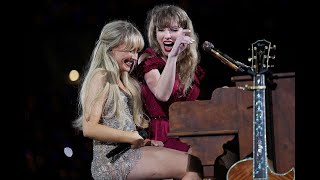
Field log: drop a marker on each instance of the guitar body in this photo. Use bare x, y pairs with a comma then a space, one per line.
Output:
243, 169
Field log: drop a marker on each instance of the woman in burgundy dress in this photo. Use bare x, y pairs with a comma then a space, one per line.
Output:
168, 69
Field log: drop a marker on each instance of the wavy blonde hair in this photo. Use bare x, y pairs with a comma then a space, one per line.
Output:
112, 35
162, 16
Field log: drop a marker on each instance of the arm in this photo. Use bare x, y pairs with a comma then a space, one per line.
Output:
91, 127
161, 85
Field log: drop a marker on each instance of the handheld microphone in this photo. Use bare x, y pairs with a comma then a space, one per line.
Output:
225, 59
115, 153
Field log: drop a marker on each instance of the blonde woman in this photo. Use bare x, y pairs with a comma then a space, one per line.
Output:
111, 114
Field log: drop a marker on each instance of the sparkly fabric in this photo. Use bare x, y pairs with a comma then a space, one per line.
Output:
101, 167
158, 111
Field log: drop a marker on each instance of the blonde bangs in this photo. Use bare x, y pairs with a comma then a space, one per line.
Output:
134, 42
166, 17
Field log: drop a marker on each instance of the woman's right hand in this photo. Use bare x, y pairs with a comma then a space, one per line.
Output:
181, 43
138, 142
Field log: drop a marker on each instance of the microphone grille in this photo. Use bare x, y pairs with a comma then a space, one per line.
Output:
207, 46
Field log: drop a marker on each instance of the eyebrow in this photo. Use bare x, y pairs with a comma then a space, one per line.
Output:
169, 27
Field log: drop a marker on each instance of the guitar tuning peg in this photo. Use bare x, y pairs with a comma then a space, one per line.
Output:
273, 57
274, 47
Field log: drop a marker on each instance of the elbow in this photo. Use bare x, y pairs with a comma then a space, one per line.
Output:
162, 98
86, 131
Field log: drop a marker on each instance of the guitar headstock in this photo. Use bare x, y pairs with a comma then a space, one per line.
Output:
261, 53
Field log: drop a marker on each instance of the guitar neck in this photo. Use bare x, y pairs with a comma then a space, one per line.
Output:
260, 163
257, 169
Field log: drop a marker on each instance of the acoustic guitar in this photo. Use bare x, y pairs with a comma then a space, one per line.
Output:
257, 167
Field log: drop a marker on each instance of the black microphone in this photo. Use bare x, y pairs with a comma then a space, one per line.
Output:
225, 59
115, 153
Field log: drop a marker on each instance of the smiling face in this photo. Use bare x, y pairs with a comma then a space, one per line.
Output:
166, 37
126, 59
165, 23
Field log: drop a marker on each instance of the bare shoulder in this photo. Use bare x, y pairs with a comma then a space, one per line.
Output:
143, 57
99, 77
99, 74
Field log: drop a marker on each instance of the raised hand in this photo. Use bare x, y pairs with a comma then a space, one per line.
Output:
181, 43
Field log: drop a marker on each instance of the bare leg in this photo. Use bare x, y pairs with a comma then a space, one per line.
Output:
165, 163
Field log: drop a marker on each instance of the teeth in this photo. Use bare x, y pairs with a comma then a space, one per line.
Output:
129, 63
168, 43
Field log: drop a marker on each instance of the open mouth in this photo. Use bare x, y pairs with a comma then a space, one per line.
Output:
168, 46
129, 62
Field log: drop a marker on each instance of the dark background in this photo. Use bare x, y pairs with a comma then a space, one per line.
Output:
61, 34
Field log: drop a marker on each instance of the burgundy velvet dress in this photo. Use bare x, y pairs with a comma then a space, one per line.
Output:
158, 111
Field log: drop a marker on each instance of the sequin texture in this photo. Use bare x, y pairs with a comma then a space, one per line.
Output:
101, 167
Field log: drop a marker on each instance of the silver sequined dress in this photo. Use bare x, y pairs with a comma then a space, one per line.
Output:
101, 167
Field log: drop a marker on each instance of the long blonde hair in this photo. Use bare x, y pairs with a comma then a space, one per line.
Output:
162, 16
112, 35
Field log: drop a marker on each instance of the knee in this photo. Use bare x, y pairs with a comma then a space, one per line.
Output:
195, 165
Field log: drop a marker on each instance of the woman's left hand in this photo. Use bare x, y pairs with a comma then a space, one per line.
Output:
157, 143
149, 142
